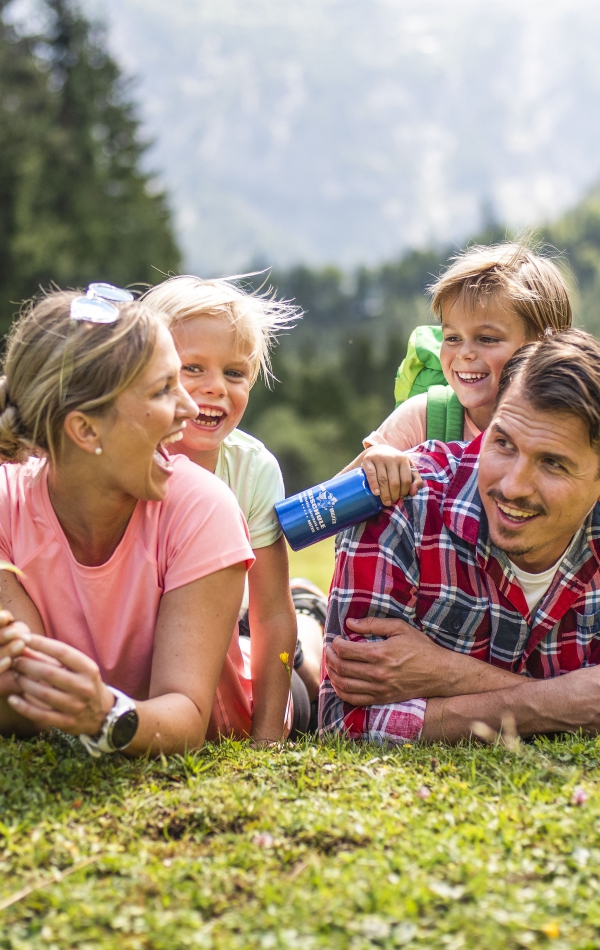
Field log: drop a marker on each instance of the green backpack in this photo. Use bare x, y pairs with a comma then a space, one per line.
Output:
421, 372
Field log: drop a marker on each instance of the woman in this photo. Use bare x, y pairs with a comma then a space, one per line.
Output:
133, 562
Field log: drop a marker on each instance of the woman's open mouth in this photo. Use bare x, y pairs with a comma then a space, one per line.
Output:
161, 455
208, 418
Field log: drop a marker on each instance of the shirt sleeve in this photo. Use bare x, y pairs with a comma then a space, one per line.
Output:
202, 529
268, 489
404, 428
6, 553
376, 575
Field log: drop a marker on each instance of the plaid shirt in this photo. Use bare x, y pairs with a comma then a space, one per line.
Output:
429, 560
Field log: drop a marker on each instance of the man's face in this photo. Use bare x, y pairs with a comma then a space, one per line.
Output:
538, 479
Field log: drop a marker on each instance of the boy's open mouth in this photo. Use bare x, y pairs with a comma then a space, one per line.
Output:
470, 378
208, 418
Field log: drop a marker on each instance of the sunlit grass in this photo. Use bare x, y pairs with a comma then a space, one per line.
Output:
316, 847
316, 563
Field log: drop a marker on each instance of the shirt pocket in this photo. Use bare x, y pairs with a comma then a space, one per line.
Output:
588, 634
453, 624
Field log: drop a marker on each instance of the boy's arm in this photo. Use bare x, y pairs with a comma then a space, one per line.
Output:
390, 473
387, 466
273, 624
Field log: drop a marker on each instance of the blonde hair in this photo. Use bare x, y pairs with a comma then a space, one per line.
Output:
256, 318
532, 283
54, 365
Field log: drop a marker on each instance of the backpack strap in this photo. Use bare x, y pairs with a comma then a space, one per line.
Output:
445, 415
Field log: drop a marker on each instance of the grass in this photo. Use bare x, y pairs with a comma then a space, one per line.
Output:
316, 563
308, 846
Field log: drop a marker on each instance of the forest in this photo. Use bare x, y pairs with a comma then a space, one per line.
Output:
76, 205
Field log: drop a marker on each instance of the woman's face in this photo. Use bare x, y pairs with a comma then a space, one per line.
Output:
146, 417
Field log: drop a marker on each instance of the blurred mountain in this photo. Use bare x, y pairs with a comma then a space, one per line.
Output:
346, 131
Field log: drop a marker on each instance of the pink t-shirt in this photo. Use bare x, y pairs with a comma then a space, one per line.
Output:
109, 612
406, 427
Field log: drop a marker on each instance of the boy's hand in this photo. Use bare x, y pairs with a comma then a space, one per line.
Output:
390, 473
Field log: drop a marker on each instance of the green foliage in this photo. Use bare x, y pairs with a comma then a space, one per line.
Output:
75, 203
577, 236
333, 846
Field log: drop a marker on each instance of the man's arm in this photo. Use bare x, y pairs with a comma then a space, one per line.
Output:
404, 666
564, 704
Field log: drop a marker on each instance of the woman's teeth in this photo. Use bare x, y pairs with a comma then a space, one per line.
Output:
173, 438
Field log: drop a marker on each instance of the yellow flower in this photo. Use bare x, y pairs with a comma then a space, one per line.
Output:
284, 657
551, 929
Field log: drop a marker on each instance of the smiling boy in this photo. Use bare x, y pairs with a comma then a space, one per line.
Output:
492, 571
490, 301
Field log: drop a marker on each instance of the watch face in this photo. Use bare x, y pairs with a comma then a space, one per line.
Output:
124, 729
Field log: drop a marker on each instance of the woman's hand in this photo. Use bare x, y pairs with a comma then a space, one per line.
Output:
14, 636
390, 473
57, 686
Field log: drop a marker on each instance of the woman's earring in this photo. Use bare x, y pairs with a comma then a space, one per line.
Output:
98, 450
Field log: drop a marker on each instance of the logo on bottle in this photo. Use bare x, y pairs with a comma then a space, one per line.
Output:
326, 500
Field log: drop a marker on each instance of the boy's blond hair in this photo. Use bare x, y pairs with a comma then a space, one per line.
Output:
256, 318
531, 283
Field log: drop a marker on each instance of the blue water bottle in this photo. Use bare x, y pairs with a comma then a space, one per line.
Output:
322, 511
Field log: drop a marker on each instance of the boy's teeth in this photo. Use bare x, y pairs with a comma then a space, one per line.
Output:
515, 512
209, 418
472, 375
173, 438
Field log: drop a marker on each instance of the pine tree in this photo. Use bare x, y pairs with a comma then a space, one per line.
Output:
75, 204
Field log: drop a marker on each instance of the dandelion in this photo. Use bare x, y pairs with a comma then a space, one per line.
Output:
285, 657
551, 929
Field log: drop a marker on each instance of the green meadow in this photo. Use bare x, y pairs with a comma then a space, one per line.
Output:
301, 847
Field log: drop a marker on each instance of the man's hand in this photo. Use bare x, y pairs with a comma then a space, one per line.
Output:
390, 473
406, 665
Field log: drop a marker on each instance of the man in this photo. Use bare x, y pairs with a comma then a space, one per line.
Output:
492, 571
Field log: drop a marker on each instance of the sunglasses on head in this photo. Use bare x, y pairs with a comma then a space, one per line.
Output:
98, 304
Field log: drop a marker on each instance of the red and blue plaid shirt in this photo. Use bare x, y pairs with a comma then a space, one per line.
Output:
429, 560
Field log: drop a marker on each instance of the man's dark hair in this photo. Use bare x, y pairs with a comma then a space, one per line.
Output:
561, 373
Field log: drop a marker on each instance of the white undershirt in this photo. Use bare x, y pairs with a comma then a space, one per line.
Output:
534, 586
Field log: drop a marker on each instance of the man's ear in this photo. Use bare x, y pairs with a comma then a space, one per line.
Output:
83, 431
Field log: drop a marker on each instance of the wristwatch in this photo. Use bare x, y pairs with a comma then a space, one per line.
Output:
118, 729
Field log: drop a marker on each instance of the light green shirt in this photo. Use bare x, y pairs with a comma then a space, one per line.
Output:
254, 476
